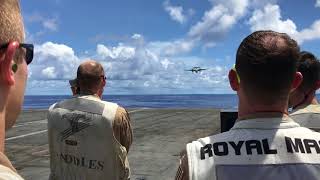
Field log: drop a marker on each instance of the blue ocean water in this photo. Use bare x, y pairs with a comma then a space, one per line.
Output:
220, 101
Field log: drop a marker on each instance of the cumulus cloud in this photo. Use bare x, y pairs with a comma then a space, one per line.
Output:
130, 68
49, 72
270, 18
218, 20
318, 3
53, 61
175, 12
121, 52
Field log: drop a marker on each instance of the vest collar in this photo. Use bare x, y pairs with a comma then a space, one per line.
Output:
91, 97
284, 122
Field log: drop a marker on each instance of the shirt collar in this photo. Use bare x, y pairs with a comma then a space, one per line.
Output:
284, 122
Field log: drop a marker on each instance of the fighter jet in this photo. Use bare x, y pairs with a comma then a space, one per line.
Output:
196, 69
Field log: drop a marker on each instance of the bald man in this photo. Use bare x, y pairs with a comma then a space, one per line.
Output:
89, 138
74, 87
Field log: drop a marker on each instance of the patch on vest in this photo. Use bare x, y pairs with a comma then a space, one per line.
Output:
82, 161
259, 147
78, 122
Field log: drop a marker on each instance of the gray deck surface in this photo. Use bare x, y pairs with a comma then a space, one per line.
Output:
159, 136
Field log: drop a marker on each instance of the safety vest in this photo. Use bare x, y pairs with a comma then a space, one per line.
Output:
308, 116
257, 149
81, 141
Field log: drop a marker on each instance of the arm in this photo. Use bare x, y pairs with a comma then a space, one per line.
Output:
122, 128
183, 169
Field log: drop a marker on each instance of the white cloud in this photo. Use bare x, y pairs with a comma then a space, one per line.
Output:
49, 24
120, 52
311, 33
270, 18
175, 12
218, 20
54, 61
136, 36
318, 3
169, 48
130, 68
49, 72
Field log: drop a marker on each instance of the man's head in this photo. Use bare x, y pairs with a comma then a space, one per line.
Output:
266, 65
12, 84
91, 78
309, 66
74, 86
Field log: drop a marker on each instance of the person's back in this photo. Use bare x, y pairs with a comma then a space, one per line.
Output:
306, 109
82, 141
264, 149
265, 143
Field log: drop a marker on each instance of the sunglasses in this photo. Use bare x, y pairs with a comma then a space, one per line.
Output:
29, 50
104, 77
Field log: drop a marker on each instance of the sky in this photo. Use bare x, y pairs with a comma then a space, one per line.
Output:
145, 46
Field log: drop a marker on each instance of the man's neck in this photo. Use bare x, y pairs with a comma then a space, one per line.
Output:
256, 110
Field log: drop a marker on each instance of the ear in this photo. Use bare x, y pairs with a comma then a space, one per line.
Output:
233, 80
6, 73
104, 82
298, 78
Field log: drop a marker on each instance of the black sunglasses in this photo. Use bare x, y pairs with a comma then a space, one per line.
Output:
29, 50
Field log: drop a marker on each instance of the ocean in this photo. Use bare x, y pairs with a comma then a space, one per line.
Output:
219, 101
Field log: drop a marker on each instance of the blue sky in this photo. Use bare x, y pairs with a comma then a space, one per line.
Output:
146, 45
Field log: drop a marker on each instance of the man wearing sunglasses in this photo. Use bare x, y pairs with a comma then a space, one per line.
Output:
89, 138
74, 87
303, 100
265, 143
14, 57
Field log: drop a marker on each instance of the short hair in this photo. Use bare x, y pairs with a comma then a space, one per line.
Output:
89, 77
309, 66
266, 64
11, 25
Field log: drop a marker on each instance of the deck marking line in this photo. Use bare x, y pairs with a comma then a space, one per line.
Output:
32, 122
26, 135
39, 132
137, 110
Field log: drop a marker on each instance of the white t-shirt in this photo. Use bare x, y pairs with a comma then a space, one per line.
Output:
262, 148
7, 174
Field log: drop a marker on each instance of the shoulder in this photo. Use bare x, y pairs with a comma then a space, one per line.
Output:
313, 108
7, 174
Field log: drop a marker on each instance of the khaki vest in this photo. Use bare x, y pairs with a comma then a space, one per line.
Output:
257, 149
81, 141
308, 117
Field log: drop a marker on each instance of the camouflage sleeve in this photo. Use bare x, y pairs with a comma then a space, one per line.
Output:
183, 170
122, 128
